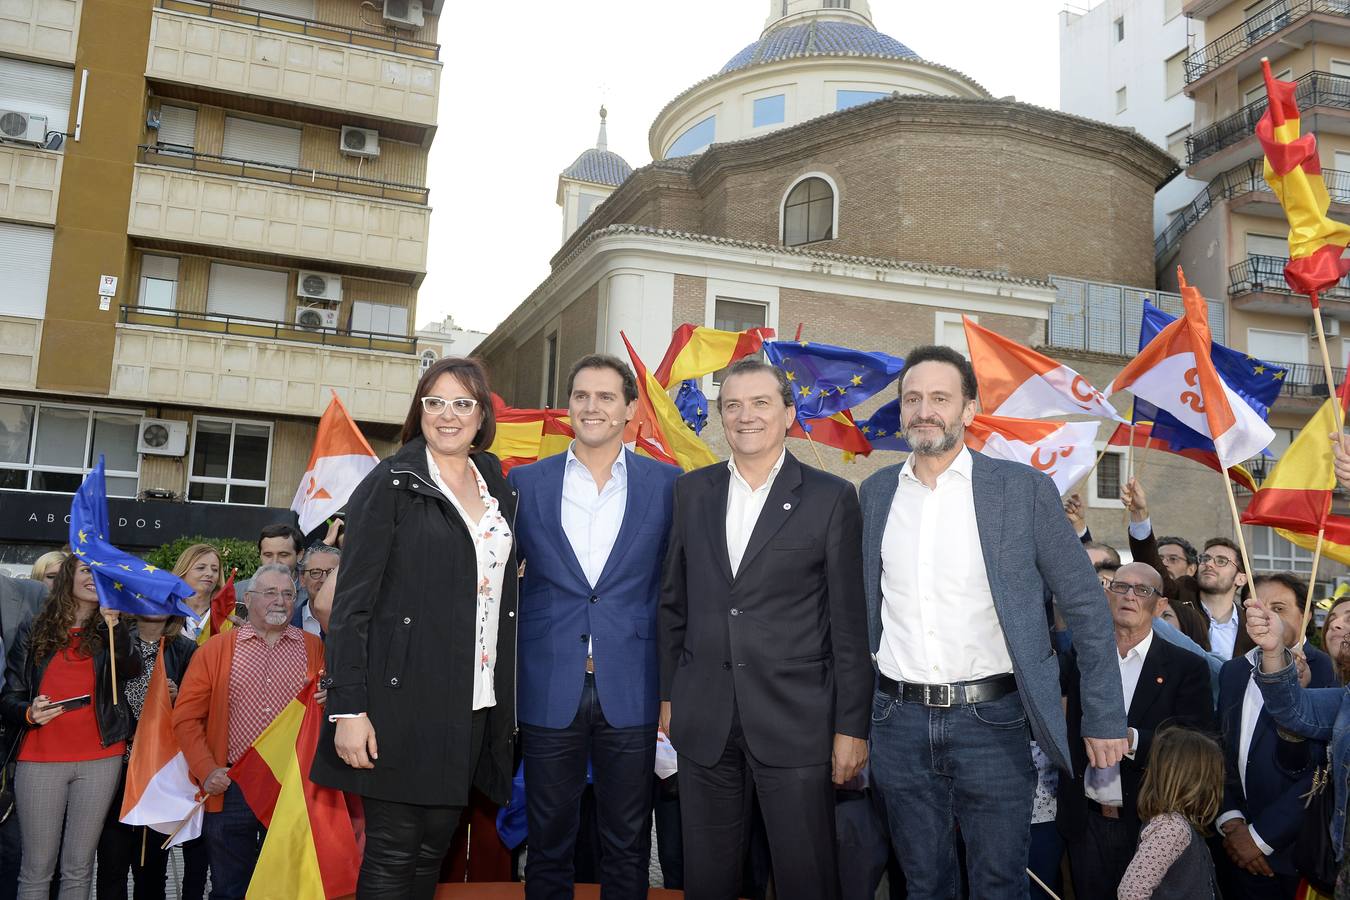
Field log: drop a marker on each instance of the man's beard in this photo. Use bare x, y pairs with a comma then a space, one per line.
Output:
933, 446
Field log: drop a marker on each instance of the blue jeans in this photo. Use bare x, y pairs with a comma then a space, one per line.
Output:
234, 837
968, 763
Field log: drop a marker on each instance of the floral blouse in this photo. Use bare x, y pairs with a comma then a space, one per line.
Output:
492, 545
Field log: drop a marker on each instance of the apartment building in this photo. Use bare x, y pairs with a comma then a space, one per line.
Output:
213, 215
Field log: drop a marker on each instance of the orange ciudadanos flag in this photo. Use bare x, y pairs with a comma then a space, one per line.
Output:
1294, 173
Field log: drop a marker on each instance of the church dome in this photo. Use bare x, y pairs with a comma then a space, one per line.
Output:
819, 38
599, 167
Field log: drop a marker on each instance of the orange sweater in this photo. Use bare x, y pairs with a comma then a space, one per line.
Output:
201, 714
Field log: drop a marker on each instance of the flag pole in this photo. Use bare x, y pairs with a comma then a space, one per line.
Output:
1237, 523
812, 441
1312, 584
1326, 362
183, 824
1042, 884
112, 659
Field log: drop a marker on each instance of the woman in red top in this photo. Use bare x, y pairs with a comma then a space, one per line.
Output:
70, 758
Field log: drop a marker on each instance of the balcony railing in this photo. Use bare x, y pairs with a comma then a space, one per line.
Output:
1306, 379
1314, 89
1244, 179
1276, 17
250, 327
327, 31
1106, 318
187, 158
1265, 274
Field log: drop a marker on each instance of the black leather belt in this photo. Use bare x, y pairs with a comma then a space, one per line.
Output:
982, 691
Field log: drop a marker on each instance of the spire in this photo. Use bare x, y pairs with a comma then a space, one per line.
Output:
602, 141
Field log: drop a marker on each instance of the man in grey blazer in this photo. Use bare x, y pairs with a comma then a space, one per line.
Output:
959, 551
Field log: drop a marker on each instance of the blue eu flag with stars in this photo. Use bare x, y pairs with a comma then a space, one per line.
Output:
882, 428
827, 379
692, 404
124, 582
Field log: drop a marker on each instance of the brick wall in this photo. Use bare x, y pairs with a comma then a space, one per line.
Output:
691, 293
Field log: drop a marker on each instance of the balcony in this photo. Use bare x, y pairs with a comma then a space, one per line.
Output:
1096, 317
1305, 380
233, 362
1257, 285
43, 30
30, 182
1284, 23
344, 73
214, 201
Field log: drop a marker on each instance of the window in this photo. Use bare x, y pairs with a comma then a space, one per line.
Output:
159, 281
695, 138
737, 315
1272, 553
260, 142
242, 291
51, 447
379, 318
303, 9
1176, 143
808, 213
1174, 74
25, 267
770, 110
428, 357
230, 461
177, 127
1104, 489
1277, 346
950, 331
586, 204
1171, 9
37, 89
845, 99
550, 371
1267, 245
835, 4
1118, 26
1259, 91
1339, 67
1120, 100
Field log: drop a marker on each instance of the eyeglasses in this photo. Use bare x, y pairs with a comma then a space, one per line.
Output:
1142, 591
1220, 562
317, 574
460, 406
1172, 559
273, 593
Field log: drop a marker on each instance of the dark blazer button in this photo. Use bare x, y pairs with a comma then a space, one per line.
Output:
585, 638
594, 599
407, 620
726, 665
393, 682
735, 612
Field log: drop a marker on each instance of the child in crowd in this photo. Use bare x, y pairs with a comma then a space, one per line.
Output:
1178, 799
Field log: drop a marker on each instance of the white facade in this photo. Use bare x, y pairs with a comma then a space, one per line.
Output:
1126, 45
436, 340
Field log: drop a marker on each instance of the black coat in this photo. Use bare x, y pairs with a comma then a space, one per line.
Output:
23, 682
177, 652
785, 640
402, 640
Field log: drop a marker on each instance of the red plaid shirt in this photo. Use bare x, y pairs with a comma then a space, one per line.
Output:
263, 679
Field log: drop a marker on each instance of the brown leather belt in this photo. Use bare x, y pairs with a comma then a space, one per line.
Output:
1109, 812
590, 665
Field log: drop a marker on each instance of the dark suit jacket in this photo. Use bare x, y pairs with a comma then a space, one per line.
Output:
558, 605
1279, 767
20, 600
1185, 591
785, 640
1173, 688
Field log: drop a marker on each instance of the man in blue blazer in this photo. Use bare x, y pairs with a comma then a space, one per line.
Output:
958, 552
591, 529
1267, 772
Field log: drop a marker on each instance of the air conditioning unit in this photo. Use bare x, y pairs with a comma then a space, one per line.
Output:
1331, 327
162, 437
22, 126
364, 142
319, 286
407, 13
316, 317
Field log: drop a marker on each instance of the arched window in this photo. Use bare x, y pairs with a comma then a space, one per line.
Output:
428, 357
808, 213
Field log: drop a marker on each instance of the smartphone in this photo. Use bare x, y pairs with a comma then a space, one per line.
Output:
73, 702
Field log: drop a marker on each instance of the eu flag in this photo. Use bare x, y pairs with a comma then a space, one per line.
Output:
1256, 382
124, 582
827, 379
882, 429
692, 404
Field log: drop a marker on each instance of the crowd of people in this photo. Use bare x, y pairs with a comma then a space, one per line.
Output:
938, 680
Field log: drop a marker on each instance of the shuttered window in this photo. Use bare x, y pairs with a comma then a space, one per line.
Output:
242, 291
159, 281
260, 142
25, 266
380, 318
37, 89
303, 9
178, 126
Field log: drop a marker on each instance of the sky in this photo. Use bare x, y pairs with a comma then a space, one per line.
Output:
523, 83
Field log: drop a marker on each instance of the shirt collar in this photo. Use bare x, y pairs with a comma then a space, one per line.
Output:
247, 632
773, 473
1140, 649
619, 468
962, 465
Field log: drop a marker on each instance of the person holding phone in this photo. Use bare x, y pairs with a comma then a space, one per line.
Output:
58, 684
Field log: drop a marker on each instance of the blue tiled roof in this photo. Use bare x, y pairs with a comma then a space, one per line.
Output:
819, 38
599, 167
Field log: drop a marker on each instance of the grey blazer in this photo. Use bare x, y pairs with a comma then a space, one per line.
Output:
20, 599
1028, 549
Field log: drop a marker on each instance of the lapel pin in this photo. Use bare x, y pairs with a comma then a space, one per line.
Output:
1160, 679
787, 506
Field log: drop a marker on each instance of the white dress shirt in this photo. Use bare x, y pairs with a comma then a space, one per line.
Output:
1223, 635
1252, 704
744, 504
938, 622
1103, 785
591, 517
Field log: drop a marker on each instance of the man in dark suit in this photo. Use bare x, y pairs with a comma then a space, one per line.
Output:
1267, 771
591, 529
960, 550
1162, 684
764, 670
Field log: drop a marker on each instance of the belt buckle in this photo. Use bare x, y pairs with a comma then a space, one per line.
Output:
946, 694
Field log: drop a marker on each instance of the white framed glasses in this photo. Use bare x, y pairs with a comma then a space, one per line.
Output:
460, 406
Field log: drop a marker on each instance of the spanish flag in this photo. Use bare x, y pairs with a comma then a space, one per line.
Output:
838, 430
696, 351
222, 607
658, 429
1294, 173
527, 435
310, 850
1295, 499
